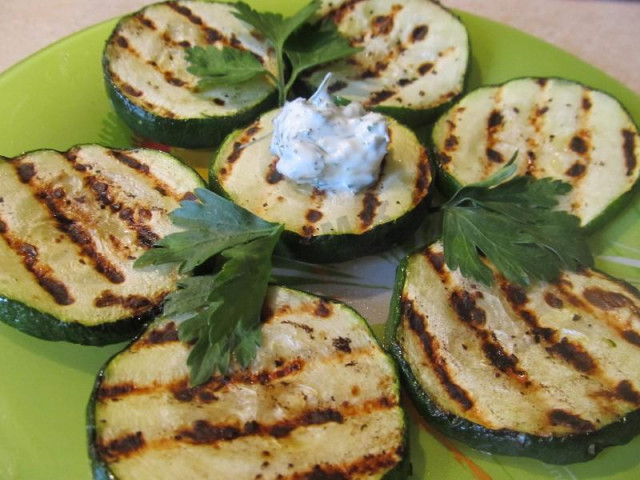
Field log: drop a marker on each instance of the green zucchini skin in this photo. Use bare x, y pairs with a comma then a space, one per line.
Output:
145, 73
448, 183
561, 450
185, 133
47, 327
369, 350
388, 227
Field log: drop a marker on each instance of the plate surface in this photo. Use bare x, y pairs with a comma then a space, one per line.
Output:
55, 99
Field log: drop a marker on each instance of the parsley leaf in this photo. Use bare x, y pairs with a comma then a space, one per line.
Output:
223, 67
512, 221
314, 45
222, 309
303, 47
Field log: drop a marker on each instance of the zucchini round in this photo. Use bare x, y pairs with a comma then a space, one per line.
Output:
321, 400
323, 226
551, 373
72, 225
560, 129
145, 70
414, 60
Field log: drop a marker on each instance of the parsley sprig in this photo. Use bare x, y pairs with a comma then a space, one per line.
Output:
512, 221
221, 318
294, 40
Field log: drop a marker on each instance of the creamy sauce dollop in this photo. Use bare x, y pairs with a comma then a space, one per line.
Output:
331, 147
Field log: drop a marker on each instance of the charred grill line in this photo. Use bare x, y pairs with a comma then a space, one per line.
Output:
430, 347
42, 273
122, 447
629, 148
338, 14
55, 200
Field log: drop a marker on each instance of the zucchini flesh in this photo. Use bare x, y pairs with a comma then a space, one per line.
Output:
551, 373
145, 68
321, 400
414, 60
559, 128
324, 226
71, 226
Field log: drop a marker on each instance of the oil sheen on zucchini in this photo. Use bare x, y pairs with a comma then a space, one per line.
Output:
321, 400
414, 60
71, 225
323, 226
552, 372
146, 75
559, 128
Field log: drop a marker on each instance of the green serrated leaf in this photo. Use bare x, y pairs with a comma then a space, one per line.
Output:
222, 67
274, 26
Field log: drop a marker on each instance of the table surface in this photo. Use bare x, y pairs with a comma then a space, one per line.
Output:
602, 32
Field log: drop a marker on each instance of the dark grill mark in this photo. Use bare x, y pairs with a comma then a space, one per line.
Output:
561, 417
302, 326
403, 82
542, 82
374, 72
121, 447
130, 90
323, 308
186, 12
423, 179
342, 344
26, 171
579, 145
451, 142
212, 35
364, 467
586, 103
204, 433
416, 323
419, 33
220, 102
338, 14
273, 175
129, 161
631, 337
135, 303
313, 216
553, 301
235, 154
337, 86
173, 80
379, 97
464, 305
381, 25
370, 205
425, 68
628, 148
42, 273
494, 156
606, 300
436, 260
576, 170
626, 392
122, 42
573, 354
516, 295
495, 120
107, 392
146, 21
159, 336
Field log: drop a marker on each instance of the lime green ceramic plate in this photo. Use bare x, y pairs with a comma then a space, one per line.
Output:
56, 99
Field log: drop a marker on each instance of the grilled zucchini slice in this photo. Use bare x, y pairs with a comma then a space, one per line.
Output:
71, 226
321, 400
551, 373
323, 226
559, 128
146, 75
414, 61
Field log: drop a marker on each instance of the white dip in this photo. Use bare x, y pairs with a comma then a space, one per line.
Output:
327, 146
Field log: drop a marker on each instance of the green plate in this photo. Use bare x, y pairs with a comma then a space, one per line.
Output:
56, 99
